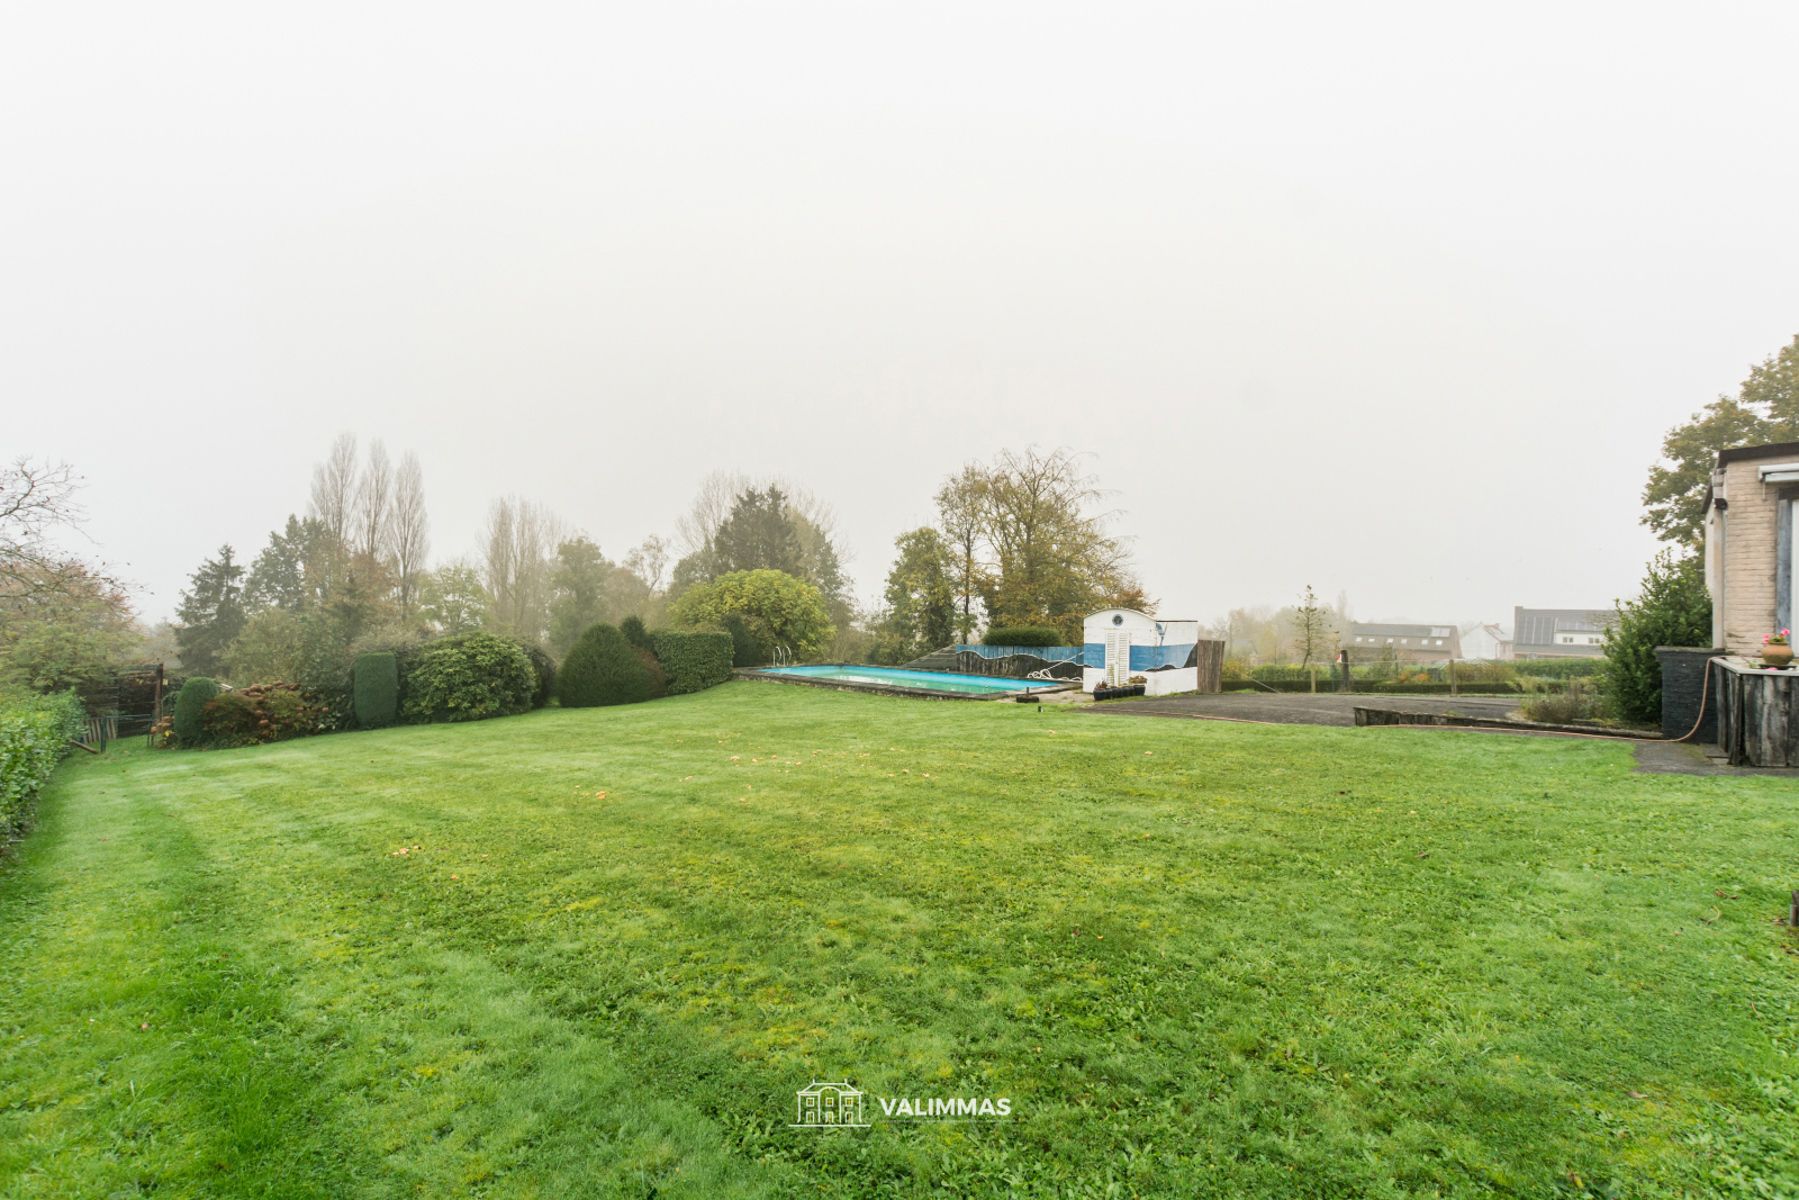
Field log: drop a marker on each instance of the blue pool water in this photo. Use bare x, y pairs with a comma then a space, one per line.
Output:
923, 681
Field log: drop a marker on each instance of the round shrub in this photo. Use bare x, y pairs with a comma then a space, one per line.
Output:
190, 708
635, 633
376, 689
545, 669
602, 668
469, 677
653, 674
1023, 635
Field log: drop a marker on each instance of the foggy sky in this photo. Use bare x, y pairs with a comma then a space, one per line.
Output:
1391, 300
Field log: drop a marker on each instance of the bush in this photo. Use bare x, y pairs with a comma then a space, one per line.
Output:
1674, 609
635, 633
653, 673
602, 668
34, 735
1579, 702
545, 669
190, 705
1023, 635
469, 677
376, 687
746, 649
694, 659
265, 712
777, 609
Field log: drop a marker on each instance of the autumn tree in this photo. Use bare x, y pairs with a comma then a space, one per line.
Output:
1765, 409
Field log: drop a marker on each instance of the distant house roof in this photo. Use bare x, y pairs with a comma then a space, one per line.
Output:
1378, 629
1539, 626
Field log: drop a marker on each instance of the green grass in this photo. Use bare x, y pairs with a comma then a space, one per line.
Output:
1200, 958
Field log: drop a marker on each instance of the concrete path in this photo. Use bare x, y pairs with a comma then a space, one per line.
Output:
1302, 708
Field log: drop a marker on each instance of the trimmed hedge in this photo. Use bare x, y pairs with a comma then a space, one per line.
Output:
602, 668
469, 677
1022, 635
694, 659
34, 735
375, 687
190, 709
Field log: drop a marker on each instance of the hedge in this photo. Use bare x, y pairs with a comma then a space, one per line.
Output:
34, 735
1022, 635
694, 659
602, 668
263, 712
375, 688
190, 709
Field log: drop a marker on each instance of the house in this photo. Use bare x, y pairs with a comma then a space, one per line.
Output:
1370, 640
1486, 642
829, 1104
1120, 644
1749, 530
1560, 632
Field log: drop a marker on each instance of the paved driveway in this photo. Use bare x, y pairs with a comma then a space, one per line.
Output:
1301, 708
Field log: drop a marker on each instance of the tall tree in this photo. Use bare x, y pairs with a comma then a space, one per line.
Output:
409, 533
277, 577
920, 598
452, 599
649, 561
374, 502
759, 534
962, 516
334, 488
211, 613
1055, 561
1765, 409
578, 592
516, 561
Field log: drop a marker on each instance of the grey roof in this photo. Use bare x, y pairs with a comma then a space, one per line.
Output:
1378, 629
1538, 626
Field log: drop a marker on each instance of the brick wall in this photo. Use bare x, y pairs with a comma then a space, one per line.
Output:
1749, 558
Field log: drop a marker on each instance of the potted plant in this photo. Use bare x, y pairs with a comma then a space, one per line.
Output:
1777, 649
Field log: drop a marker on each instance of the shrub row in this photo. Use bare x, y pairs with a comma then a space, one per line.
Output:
629, 664
34, 736
1023, 635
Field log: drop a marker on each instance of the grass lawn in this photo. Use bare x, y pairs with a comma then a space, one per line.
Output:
1199, 958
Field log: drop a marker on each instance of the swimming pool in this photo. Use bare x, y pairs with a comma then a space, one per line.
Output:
941, 683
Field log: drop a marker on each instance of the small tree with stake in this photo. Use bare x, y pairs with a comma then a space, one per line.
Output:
1312, 630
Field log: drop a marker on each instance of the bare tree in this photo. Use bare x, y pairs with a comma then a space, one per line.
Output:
409, 532
35, 500
521, 537
374, 501
649, 561
334, 488
718, 491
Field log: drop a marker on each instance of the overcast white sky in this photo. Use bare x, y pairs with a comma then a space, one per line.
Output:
1390, 299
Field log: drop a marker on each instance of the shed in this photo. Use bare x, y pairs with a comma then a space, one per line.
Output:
1119, 643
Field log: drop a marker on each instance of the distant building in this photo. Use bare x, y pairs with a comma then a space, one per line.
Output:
1560, 632
1486, 642
1367, 640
